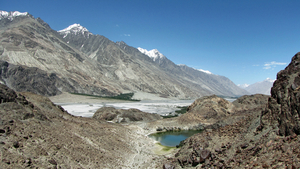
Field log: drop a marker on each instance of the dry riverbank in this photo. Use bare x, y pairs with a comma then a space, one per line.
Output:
74, 98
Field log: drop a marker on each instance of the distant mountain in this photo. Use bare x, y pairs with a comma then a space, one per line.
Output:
263, 87
82, 62
196, 78
243, 86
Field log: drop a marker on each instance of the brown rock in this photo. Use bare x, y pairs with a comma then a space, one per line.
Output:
52, 161
217, 150
245, 145
269, 143
238, 151
204, 154
265, 165
16, 144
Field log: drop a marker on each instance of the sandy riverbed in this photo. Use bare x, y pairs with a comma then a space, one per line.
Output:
73, 98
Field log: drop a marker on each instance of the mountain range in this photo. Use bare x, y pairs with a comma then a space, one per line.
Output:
263, 87
36, 58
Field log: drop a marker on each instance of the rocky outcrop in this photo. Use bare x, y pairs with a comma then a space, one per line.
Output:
35, 133
249, 102
219, 106
212, 112
31, 79
215, 110
122, 116
266, 136
284, 105
237, 146
7, 94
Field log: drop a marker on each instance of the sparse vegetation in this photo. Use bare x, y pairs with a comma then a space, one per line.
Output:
125, 96
166, 148
170, 116
180, 144
228, 97
182, 110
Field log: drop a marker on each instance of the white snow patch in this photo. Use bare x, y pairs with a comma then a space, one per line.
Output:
205, 71
154, 53
75, 29
11, 15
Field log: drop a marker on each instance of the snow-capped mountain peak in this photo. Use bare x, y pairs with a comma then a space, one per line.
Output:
74, 29
11, 15
205, 71
154, 53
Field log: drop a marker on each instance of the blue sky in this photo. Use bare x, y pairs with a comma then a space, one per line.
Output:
246, 41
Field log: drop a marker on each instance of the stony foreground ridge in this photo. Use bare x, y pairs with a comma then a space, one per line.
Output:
92, 64
35, 133
267, 136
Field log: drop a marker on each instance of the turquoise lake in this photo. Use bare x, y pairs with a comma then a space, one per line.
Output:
173, 138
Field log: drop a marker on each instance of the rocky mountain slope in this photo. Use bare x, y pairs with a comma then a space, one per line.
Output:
32, 79
35, 133
266, 137
92, 64
263, 87
215, 84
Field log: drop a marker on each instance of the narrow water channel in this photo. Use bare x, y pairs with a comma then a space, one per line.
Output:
173, 138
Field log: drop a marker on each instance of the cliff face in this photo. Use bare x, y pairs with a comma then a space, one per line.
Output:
284, 105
